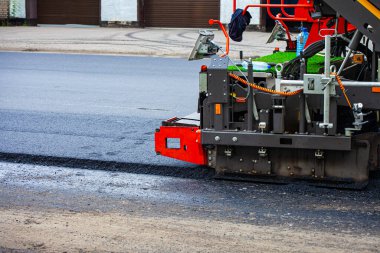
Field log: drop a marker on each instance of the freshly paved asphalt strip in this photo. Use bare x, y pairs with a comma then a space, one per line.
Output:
92, 107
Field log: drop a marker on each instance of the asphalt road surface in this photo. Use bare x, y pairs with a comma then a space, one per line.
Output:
89, 180
92, 107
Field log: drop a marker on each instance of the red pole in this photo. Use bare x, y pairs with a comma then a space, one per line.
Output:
277, 6
212, 22
291, 43
284, 11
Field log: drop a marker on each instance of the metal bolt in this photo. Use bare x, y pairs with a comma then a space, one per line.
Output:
209, 152
209, 164
234, 139
289, 168
269, 173
269, 162
241, 160
291, 173
210, 158
217, 138
254, 161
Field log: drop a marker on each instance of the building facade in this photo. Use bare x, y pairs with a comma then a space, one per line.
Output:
139, 13
4, 9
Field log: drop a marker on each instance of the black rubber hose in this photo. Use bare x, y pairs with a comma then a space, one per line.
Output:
291, 69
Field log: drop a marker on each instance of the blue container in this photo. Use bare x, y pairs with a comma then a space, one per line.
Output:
302, 39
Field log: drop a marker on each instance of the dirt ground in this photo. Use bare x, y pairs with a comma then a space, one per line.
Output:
60, 231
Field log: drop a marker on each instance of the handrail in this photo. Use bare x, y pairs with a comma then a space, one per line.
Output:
284, 11
212, 22
269, 6
277, 6
291, 43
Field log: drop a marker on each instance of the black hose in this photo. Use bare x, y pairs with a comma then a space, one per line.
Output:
291, 69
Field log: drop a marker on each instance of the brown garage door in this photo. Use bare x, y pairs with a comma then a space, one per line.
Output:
180, 13
86, 12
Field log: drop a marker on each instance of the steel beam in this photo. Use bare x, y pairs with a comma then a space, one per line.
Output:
296, 141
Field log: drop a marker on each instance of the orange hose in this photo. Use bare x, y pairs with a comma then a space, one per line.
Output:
287, 94
257, 87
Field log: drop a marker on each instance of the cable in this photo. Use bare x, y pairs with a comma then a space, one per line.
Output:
257, 87
343, 89
246, 78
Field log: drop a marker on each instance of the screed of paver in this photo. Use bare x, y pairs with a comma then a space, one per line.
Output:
61, 231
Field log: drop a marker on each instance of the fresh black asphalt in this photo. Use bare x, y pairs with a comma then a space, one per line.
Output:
92, 107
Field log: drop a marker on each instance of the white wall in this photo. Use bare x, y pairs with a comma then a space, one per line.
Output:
119, 10
226, 10
17, 9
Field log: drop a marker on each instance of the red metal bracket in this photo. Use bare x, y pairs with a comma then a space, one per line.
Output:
212, 22
190, 148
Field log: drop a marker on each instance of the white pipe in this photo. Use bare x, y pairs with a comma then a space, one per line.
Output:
345, 83
326, 92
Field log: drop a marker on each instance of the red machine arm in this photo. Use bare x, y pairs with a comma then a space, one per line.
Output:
212, 22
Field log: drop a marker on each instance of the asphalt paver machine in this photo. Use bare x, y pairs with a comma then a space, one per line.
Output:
313, 117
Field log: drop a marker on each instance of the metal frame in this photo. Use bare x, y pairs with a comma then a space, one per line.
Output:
293, 141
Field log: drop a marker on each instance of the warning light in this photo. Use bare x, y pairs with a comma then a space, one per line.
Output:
203, 68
